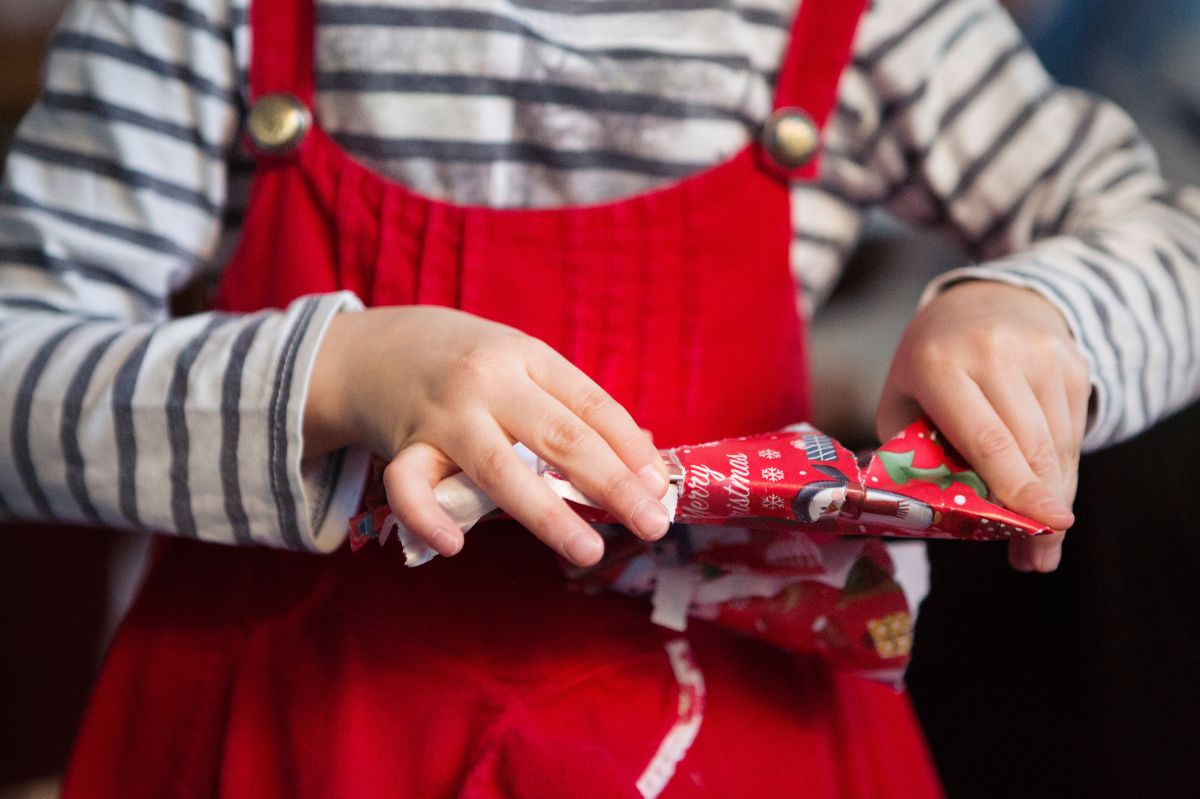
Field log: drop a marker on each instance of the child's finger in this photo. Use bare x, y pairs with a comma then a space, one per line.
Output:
1018, 406
963, 413
1045, 551
409, 481
1052, 395
1023, 414
1078, 385
543, 424
486, 454
1053, 392
606, 416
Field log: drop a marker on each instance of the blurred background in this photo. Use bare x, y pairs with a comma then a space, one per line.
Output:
54, 593
1081, 683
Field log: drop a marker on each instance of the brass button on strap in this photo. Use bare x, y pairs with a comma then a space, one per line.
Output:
791, 137
277, 123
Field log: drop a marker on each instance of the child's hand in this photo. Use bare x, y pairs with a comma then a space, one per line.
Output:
997, 370
436, 390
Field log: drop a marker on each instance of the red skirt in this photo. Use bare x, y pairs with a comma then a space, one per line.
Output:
265, 674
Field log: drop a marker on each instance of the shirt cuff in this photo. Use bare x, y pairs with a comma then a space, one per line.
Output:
316, 497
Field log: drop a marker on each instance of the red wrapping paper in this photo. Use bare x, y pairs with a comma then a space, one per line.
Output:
913, 487
777, 537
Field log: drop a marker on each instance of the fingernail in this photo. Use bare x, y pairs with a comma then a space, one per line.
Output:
1055, 507
583, 547
650, 519
446, 542
654, 481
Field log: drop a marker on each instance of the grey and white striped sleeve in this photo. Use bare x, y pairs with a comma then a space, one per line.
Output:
959, 127
113, 413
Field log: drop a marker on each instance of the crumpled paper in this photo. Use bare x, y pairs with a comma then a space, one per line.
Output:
777, 537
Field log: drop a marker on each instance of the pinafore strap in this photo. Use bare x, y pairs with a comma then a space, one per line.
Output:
819, 47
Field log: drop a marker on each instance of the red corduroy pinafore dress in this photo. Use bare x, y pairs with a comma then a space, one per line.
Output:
254, 673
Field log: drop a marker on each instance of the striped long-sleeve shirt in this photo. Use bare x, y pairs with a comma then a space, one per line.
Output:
126, 182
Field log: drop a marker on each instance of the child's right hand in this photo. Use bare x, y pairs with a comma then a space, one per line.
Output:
435, 391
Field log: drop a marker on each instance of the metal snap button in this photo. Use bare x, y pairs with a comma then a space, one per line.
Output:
277, 123
791, 137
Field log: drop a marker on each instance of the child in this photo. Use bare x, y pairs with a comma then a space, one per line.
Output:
581, 187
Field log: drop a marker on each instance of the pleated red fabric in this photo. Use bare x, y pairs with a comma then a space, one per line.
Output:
252, 673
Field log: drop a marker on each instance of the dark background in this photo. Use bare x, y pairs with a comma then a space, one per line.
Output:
1081, 683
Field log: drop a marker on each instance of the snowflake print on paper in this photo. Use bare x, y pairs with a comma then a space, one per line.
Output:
772, 502
769, 454
772, 474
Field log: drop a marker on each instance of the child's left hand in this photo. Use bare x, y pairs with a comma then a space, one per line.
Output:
997, 371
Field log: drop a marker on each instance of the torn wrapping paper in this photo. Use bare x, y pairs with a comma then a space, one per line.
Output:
777, 537
845, 603
914, 486
458, 495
